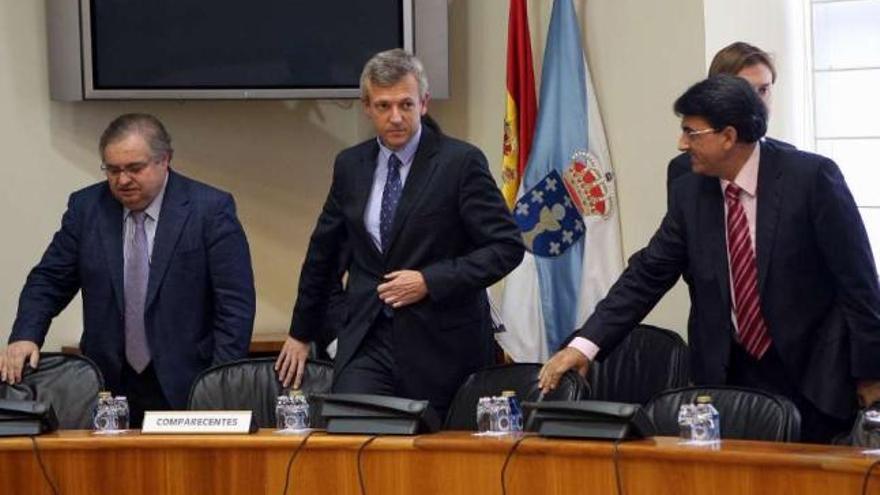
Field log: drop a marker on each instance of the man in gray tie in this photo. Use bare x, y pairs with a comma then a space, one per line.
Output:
164, 268
427, 231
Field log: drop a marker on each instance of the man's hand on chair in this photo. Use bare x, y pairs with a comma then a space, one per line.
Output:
12, 361
291, 362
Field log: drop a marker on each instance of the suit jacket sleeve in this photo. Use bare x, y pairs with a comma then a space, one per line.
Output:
650, 273
320, 273
337, 306
842, 239
232, 279
497, 241
51, 284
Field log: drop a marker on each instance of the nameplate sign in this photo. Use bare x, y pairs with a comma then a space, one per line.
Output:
189, 422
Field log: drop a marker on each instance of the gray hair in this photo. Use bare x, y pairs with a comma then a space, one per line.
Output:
143, 124
389, 68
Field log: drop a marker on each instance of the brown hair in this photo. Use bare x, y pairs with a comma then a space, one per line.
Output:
737, 56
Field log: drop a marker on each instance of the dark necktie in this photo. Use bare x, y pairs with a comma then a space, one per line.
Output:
752, 329
137, 272
390, 198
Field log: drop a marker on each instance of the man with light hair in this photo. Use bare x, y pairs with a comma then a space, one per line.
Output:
427, 230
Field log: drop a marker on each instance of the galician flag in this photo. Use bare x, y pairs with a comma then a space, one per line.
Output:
519, 115
566, 207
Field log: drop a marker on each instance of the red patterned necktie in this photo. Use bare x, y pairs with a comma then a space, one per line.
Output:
752, 330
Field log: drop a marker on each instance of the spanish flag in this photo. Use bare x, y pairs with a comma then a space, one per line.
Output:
558, 285
519, 117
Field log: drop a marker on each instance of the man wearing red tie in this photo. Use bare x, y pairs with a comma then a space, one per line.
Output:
784, 290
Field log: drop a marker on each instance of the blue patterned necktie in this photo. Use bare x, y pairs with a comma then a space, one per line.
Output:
137, 272
390, 198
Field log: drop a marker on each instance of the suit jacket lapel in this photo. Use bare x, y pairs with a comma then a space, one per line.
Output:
713, 227
172, 217
769, 200
110, 229
419, 175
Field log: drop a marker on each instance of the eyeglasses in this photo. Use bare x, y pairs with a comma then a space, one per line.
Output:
131, 170
691, 133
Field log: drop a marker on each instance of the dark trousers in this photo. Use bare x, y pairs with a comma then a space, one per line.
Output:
372, 369
144, 393
769, 374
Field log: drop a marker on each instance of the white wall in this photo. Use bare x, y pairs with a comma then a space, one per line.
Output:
778, 27
643, 55
275, 156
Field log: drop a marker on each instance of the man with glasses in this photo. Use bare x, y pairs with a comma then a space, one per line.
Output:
750, 63
784, 291
164, 269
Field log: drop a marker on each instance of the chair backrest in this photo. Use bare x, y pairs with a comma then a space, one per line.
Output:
520, 377
69, 382
252, 384
745, 414
647, 361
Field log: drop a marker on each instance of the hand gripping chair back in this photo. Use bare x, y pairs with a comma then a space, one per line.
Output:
252, 384
520, 377
69, 382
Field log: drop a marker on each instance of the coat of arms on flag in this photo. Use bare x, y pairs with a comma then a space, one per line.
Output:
550, 215
564, 207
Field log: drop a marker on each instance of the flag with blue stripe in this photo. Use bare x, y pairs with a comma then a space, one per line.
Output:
556, 287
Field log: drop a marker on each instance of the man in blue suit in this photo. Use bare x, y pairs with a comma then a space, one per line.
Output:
164, 268
784, 291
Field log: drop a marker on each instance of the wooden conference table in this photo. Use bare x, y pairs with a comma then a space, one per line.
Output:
448, 463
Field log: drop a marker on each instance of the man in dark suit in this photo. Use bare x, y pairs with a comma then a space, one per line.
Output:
800, 314
755, 66
750, 63
164, 269
428, 231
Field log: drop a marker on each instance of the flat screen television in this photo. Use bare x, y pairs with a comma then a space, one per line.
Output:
234, 49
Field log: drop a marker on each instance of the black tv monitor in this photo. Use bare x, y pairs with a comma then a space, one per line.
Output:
230, 48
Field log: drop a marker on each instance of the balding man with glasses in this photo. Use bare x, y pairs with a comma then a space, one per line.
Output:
164, 269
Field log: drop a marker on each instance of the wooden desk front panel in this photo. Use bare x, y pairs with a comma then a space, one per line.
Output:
447, 463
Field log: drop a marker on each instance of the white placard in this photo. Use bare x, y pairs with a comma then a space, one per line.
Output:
197, 422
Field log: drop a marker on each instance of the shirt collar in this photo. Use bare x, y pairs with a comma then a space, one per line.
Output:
747, 178
406, 153
155, 206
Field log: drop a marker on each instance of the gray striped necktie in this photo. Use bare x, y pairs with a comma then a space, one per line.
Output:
137, 272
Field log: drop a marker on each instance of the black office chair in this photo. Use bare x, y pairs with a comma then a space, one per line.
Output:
252, 384
647, 361
746, 414
69, 382
519, 377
